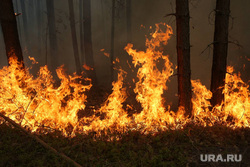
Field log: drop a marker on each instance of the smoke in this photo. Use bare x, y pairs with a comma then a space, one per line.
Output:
146, 13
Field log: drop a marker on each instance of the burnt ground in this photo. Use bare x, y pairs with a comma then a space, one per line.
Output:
169, 148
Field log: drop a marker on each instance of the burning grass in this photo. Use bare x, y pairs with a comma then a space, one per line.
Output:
38, 105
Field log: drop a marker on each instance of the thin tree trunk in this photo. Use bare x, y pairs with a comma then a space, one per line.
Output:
74, 38
220, 51
16, 9
81, 31
10, 32
112, 45
52, 33
31, 12
183, 56
25, 23
88, 39
128, 15
39, 26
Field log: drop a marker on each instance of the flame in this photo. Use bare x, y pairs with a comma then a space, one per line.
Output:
234, 110
152, 81
86, 67
33, 60
115, 117
105, 53
37, 104
237, 99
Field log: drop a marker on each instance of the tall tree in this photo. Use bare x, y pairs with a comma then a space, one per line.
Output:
10, 32
16, 9
220, 51
74, 38
88, 39
52, 33
183, 56
128, 15
25, 22
112, 40
81, 32
39, 19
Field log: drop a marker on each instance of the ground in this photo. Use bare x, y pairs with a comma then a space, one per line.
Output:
169, 148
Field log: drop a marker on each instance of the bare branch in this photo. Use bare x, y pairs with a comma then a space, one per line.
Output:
208, 47
174, 75
17, 14
170, 14
209, 17
235, 42
232, 25
27, 109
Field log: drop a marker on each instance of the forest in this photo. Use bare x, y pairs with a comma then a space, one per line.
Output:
124, 83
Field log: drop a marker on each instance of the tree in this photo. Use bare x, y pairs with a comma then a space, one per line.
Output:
112, 40
25, 22
220, 51
88, 39
10, 32
39, 19
183, 56
52, 33
74, 38
81, 31
128, 15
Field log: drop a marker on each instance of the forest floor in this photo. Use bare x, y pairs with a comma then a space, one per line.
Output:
169, 148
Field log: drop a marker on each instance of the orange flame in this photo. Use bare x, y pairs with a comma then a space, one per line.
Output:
152, 81
38, 105
86, 67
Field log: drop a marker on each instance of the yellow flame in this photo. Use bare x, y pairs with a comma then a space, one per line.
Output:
152, 81
37, 104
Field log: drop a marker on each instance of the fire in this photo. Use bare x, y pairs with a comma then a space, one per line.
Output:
115, 117
152, 81
233, 112
37, 104
237, 99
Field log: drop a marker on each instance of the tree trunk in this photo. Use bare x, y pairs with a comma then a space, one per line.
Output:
220, 51
39, 27
16, 9
183, 56
81, 32
31, 13
74, 38
88, 40
128, 15
25, 23
112, 40
52, 34
10, 32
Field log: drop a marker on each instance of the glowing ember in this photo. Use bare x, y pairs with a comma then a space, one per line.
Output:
38, 105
